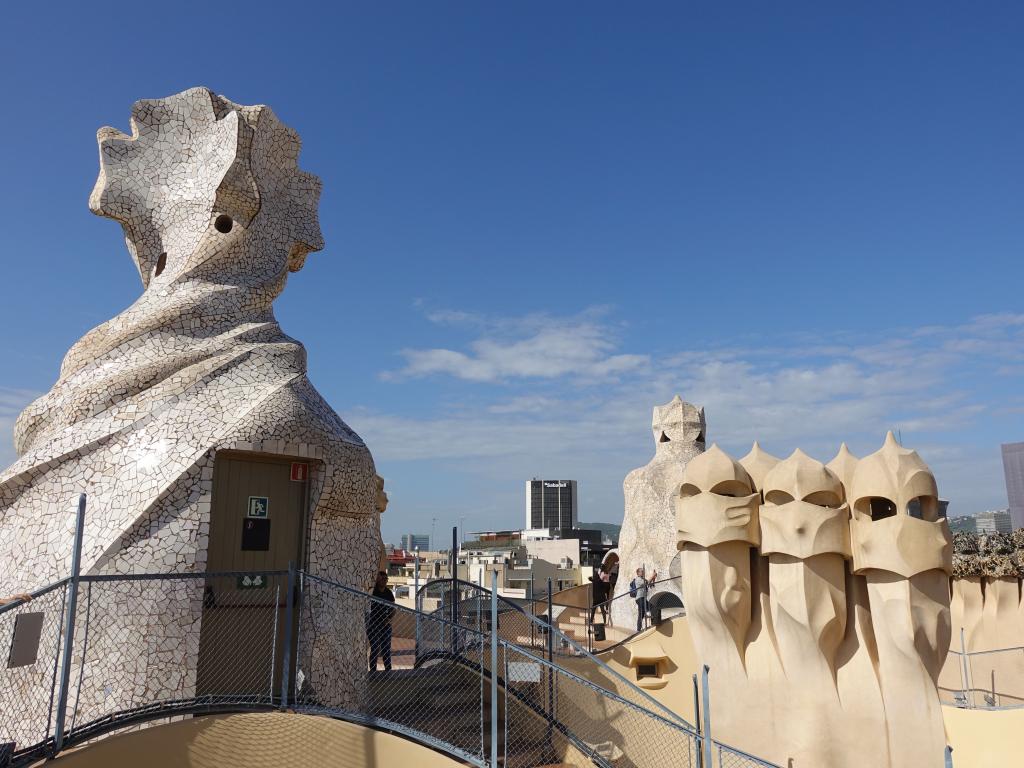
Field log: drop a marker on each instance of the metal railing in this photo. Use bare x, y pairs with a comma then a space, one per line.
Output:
550, 707
464, 603
989, 679
28, 684
577, 618
643, 617
140, 648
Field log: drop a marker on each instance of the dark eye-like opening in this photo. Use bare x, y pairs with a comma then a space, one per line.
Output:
664, 438
223, 223
777, 497
688, 489
828, 499
924, 508
161, 263
646, 670
700, 437
733, 488
881, 508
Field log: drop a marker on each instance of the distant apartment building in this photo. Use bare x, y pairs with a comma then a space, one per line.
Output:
403, 575
412, 541
551, 504
524, 570
994, 521
990, 521
588, 543
1013, 468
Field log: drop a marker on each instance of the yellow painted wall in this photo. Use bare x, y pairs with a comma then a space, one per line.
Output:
980, 738
675, 689
984, 738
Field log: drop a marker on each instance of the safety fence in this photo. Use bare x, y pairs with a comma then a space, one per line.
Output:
636, 611
549, 707
723, 756
582, 622
468, 605
988, 679
95, 654
527, 624
33, 634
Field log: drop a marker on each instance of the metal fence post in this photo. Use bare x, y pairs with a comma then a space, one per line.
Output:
551, 658
949, 756
286, 653
706, 730
416, 603
273, 643
494, 668
533, 612
551, 625
964, 681
69, 628
455, 593
696, 722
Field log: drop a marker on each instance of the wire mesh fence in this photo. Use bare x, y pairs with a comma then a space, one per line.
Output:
150, 647
144, 642
468, 605
419, 674
723, 756
31, 633
551, 715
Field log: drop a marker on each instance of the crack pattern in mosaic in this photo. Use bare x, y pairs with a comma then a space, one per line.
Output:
216, 214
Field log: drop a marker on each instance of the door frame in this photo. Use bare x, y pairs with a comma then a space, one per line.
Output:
264, 457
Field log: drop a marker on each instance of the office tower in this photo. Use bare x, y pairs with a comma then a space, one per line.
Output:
1013, 467
551, 504
412, 540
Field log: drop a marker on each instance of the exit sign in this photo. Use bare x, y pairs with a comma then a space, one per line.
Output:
300, 472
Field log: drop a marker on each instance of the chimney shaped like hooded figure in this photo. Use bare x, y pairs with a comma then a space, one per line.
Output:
216, 214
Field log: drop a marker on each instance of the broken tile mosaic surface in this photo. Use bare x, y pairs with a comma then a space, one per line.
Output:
216, 213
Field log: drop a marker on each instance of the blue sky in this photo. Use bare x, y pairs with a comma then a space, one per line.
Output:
542, 219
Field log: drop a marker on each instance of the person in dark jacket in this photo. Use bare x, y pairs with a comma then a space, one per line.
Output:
598, 597
378, 624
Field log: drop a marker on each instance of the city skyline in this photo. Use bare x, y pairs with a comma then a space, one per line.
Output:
540, 224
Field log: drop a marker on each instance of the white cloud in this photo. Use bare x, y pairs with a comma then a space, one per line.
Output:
532, 347
525, 404
811, 391
12, 402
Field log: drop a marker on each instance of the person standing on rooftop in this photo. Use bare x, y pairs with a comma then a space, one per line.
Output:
378, 627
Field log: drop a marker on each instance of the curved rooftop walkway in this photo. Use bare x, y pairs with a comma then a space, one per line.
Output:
255, 740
